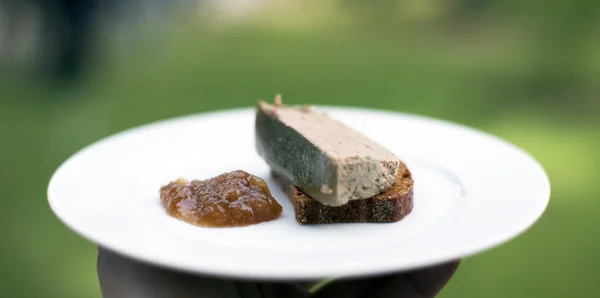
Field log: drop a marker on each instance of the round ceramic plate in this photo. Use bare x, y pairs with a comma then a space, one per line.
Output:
472, 191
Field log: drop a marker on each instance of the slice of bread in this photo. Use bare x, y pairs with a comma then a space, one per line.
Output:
389, 206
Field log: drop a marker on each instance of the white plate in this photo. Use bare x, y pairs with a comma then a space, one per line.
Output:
472, 192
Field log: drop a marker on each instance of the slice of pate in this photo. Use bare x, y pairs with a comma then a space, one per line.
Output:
326, 159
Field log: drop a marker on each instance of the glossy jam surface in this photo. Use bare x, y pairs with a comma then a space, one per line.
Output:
231, 199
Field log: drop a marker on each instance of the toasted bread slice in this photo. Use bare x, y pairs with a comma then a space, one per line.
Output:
389, 206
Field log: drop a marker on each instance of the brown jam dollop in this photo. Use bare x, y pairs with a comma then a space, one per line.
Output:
231, 199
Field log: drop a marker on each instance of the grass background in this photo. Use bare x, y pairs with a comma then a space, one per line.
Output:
490, 78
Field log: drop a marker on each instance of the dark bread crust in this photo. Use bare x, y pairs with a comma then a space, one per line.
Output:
389, 206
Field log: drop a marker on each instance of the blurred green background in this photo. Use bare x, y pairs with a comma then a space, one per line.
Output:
527, 71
